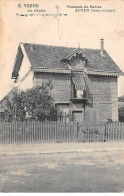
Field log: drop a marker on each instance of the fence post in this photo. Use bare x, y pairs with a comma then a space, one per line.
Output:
77, 132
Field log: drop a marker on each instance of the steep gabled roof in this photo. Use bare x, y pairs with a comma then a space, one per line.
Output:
44, 56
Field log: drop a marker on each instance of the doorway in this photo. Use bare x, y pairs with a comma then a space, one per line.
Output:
78, 116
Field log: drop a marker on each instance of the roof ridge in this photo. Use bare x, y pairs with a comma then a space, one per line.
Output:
60, 46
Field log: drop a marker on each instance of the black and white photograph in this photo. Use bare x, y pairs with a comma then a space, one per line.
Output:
61, 96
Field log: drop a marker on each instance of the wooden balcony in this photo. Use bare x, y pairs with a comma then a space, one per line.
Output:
78, 100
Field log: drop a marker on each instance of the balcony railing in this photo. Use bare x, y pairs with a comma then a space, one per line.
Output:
78, 99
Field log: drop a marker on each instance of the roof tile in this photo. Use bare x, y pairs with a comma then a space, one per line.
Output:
50, 57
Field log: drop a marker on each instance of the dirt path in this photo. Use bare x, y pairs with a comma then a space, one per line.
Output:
64, 172
21, 149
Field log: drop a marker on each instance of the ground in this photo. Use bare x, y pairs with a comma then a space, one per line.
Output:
63, 172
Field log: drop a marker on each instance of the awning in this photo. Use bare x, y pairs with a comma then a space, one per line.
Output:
78, 80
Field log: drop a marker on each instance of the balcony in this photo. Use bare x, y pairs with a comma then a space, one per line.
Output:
78, 100
78, 96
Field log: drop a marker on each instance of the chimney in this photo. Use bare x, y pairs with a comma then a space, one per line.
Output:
102, 46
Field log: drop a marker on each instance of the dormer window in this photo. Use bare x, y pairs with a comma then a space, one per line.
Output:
76, 55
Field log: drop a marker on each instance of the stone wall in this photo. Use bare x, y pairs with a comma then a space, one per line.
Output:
103, 98
61, 85
101, 91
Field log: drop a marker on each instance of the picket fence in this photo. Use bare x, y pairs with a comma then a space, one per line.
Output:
59, 131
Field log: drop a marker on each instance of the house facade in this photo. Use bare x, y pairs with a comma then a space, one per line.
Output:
85, 81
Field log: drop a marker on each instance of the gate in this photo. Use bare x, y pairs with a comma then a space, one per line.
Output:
89, 132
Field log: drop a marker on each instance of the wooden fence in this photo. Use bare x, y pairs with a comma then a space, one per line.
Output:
59, 131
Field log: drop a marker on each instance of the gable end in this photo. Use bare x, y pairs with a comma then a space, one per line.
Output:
18, 62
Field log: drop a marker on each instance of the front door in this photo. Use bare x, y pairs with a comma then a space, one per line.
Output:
78, 116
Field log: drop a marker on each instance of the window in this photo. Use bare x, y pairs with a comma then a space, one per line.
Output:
79, 86
80, 93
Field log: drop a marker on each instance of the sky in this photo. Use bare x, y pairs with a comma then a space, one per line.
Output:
84, 28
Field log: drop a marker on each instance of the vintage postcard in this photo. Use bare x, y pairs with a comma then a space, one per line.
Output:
61, 96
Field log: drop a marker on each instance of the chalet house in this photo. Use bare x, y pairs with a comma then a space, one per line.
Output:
85, 81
